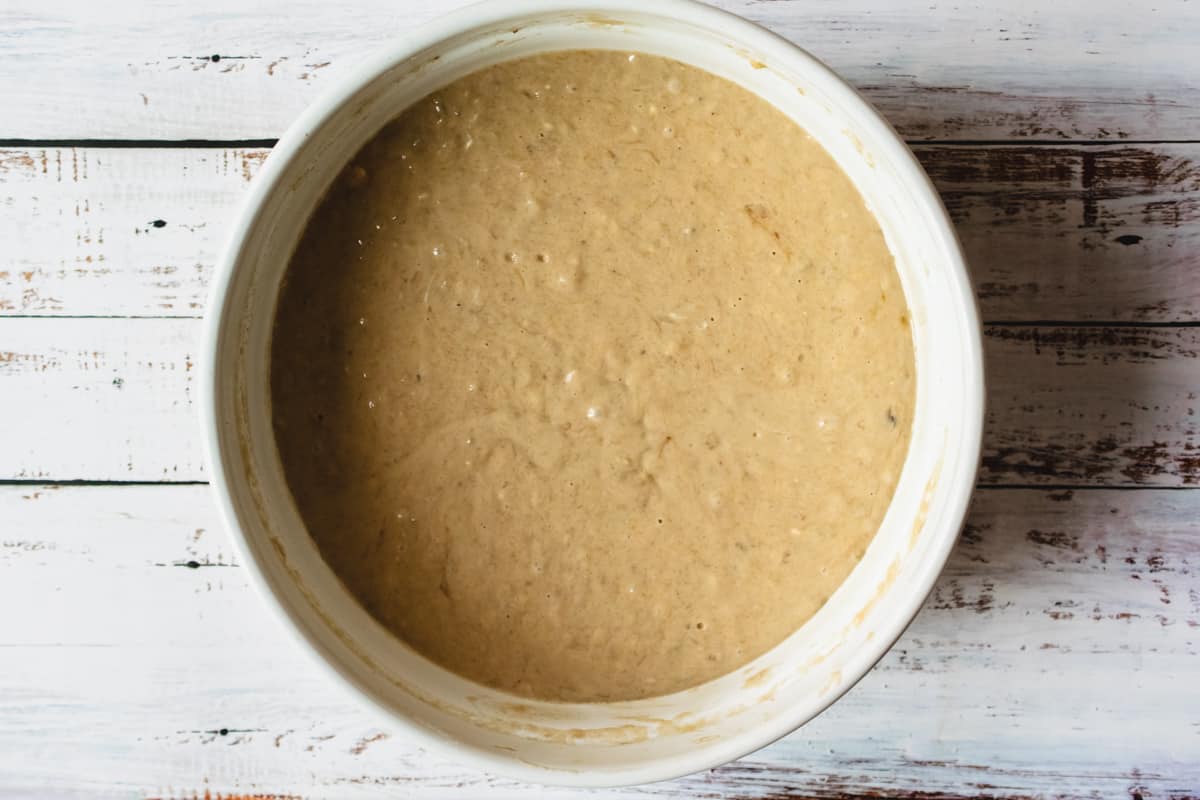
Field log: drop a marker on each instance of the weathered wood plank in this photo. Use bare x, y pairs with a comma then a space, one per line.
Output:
114, 231
1056, 657
1108, 233
99, 399
1077, 233
1093, 406
225, 70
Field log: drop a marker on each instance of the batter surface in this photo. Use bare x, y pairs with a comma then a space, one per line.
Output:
592, 376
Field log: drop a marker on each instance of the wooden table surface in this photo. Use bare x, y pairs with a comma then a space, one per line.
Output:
1057, 655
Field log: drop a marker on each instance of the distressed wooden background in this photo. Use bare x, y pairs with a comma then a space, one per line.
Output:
1058, 656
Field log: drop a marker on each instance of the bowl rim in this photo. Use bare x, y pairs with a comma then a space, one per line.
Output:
488, 13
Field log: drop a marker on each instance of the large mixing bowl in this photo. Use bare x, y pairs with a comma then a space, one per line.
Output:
606, 743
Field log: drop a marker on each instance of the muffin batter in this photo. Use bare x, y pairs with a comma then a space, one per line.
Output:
592, 376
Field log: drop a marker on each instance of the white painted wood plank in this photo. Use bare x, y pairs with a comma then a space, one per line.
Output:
1075, 69
1078, 233
99, 399
113, 231
113, 399
1093, 406
1056, 657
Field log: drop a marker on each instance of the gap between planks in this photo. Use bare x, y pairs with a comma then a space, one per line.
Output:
161, 144
991, 487
36, 482
182, 144
987, 323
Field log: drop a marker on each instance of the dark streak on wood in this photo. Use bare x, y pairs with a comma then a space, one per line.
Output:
1108, 171
194, 564
1088, 460
1072, 345
1048, 231
137, 144
361, 745
1092, 405
1088, 178
928, 112
1056, 539
747, 780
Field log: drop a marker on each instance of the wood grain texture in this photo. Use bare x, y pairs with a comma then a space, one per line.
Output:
99, 399
1066, 405
964, 70
115, 232
1108, 233
1092, 406
1055, 657
1077, 233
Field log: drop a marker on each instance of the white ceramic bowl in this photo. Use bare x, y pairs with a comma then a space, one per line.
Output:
613, 743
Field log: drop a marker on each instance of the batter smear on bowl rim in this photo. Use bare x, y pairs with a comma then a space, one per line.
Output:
592, 376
